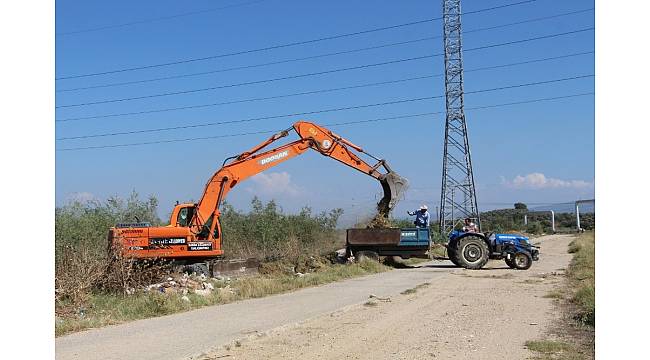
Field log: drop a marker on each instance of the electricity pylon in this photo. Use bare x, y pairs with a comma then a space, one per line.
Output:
458, 195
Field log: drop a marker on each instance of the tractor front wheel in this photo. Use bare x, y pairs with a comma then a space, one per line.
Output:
523, 261
511, 262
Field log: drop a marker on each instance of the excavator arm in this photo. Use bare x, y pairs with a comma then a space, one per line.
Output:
311, 136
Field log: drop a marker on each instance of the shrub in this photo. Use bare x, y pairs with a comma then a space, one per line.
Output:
582, 275
267, 232
521, 206
85, 224
84, 264
534, 228
82, 260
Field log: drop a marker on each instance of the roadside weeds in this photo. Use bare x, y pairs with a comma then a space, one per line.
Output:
103, 309
573, 336
415, 289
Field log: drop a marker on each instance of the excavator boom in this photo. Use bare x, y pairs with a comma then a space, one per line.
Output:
194, 229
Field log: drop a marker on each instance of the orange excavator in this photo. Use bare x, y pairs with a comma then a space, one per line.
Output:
194, 232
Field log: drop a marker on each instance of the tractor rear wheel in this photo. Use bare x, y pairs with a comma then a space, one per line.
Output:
451, 251
472, 252
523, 261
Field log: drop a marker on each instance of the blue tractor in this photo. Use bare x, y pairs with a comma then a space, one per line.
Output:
472, 250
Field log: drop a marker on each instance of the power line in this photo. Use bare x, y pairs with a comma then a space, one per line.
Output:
322, 111
222, 136
169, 17
314, 56
248, 66
331, 125
528, 21
191, 91
331, 37
320, 90
500, 203
254, 99
365, 66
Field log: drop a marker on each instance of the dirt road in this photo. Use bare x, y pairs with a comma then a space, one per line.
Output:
485, 314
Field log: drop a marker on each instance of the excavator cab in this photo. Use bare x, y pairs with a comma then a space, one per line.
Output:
182, 215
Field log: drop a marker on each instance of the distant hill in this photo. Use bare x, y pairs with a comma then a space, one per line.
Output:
538, 222
565, 208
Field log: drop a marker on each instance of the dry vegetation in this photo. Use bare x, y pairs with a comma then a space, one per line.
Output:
106, 308
582, 276
94, 288
573, 337
554, 349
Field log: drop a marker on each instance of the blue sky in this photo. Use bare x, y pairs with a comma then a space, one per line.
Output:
541, 152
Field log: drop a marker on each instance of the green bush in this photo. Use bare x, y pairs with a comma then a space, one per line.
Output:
83, 267
513, 219
82, 263
521, 206
535, 228
503, 220
267, 232
85, 224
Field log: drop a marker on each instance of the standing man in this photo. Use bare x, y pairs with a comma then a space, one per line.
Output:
421, 216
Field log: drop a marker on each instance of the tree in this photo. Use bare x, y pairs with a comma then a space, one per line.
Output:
521, 206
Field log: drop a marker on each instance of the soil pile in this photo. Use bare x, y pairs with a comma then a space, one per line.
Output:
381, 220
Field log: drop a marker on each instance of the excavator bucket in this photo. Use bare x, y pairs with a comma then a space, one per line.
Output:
394, 187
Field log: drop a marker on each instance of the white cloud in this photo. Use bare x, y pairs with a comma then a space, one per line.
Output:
540, 181
273, 183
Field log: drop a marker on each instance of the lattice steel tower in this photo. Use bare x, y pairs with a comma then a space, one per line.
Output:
458, 195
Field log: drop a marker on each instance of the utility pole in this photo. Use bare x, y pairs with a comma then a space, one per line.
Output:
458, 193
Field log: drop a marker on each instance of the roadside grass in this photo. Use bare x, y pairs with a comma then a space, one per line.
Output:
409, 291
552, 349
554, 294
415, 289
414, 261
532, 281
103, 309
438, 251
468, 273
581, 274
578, 301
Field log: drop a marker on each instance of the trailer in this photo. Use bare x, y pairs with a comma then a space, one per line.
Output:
373, 243
465, 249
